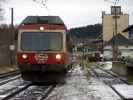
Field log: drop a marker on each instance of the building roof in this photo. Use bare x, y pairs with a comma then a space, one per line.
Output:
119, 39
128, 28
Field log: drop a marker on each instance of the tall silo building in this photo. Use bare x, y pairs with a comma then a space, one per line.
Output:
114, 23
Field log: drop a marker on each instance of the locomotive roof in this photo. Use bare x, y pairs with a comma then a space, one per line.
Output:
42, 20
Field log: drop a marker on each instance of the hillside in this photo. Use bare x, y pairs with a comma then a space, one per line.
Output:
89, 31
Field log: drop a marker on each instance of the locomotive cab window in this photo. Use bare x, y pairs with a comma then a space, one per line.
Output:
31, 41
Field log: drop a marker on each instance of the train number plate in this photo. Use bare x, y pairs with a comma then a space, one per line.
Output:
41, 58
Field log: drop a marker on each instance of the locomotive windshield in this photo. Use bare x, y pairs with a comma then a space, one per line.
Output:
31, 41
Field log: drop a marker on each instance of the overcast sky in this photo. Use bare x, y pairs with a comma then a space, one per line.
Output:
75, 13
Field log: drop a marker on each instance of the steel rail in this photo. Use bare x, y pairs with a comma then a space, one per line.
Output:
49, 90
11, 73
9, 96
115, 76
9, 79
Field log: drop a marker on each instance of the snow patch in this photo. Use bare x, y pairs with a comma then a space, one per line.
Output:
124, 90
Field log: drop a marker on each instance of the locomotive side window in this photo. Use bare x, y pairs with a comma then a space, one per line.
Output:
31, 41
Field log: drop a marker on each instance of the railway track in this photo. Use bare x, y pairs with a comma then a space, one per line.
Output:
27, 91
2, 82
17, 89
115, 75
22, 90
33, 92
12, 94
10, 76
11, 73
12, 87
109, 78
49, 90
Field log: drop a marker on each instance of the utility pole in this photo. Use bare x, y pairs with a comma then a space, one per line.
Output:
11, 46
115, 16
12, 13
115, 46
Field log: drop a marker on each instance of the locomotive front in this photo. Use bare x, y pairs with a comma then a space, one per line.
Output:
42, 46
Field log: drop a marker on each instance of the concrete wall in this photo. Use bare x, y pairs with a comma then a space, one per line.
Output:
120, 68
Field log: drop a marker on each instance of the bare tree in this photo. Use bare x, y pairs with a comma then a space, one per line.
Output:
1, 10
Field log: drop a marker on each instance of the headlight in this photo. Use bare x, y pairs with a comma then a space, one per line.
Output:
58, 56
24, 56
41, 28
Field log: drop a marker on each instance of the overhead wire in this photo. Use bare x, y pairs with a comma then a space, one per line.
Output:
44, 3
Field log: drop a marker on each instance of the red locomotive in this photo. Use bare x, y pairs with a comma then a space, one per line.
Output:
43, 46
